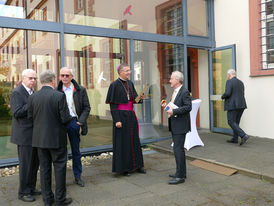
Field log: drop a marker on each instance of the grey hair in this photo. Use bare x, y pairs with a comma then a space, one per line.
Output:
71, 71
26, 71
232, 72
179, 76
121, 66
47, 77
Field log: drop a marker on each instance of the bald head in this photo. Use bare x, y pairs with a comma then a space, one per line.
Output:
66, 76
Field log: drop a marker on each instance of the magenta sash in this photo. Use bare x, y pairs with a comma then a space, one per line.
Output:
129, 107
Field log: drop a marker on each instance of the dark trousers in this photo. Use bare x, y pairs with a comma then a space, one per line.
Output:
179, 153
28, 167
57, 157
233, 119
73, 130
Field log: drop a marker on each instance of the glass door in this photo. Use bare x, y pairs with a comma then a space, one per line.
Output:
220, 61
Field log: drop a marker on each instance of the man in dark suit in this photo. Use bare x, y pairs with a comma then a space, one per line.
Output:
49, 111
179, 124
21, 134
235, 105
79, 109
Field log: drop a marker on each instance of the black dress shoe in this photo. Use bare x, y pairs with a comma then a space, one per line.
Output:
36, 192
232, 141
141, 170
26, 198
244, 140
67, 201
176, 180
172, 175
79, 182
127, 174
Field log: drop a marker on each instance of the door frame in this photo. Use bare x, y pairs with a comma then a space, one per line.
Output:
211, 96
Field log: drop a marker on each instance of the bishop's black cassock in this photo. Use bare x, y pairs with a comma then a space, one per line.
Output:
127, 153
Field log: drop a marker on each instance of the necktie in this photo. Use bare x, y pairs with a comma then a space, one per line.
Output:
30, 92
173, 96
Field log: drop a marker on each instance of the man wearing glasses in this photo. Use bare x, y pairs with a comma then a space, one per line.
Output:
21, 134
79, 108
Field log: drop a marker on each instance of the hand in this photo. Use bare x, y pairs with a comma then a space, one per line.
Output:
163, 103
142, 96
79, 123
118, 124
170, 112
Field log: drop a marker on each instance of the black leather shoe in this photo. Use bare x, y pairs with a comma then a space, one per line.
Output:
126, 174
79, 182
141, 170
176, 180
172, 175
36, 192
26, 198
232, 141
244, 140
67, 201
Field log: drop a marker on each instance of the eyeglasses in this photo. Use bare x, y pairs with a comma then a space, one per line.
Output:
65, 75
32, 78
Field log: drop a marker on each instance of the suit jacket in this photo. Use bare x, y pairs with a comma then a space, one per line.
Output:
179, 122
234, 95
21, 130
49, 111
81, 103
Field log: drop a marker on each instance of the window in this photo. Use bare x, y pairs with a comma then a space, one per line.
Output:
78, 5
267, 31
261, 33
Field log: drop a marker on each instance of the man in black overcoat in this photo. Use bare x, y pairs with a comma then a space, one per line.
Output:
21, 134
179, 124
127, 152
49, 111
235, 105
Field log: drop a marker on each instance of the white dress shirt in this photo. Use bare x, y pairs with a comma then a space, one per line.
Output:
69, 96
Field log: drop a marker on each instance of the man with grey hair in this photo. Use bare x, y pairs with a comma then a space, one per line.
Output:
49, 111
179, 124
21, 134
235, 105
79, 108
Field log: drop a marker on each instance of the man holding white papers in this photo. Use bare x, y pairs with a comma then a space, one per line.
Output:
179, 123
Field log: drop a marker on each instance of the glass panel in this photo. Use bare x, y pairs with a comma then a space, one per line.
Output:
94, 61
269, 8
43, 51
221, 62
153, 16
197, 17
154, 63
12, 63
44, 10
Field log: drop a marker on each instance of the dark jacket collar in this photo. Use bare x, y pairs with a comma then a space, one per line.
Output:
76, 86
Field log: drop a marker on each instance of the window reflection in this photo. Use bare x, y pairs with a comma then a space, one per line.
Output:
197, 17
154, 16
154, 63
43, 10
94, 61
20, 49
